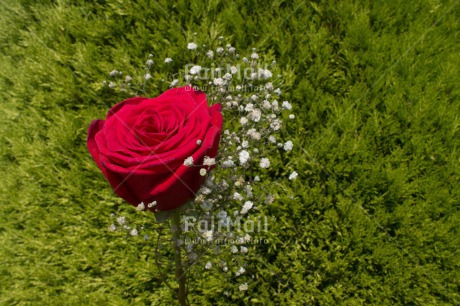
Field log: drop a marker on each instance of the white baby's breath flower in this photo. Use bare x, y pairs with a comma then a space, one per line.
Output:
291, 116
227, 76
238, 197
269, 86
233, 70
288, 146
223, 184
243, 249
168, 60
203, 172
206, 206
205, 190
286, 105
240, 271
221, 214
112, 228
277, 91
249, 107
113, 73
248, 187
264, 163
188, 161
267, 74
220, 50
255, 135
245, 144
209, 182
245, 59
272, 139
255, 115
239, 182
195, 69
293, 175
266, 104
218, 81
244, 157
233, 249
269, 199
121, 220
111, 84
264, 73
275, 105
147, 76
275, 124
208, 161
208, 235
210, 54
174, 83
134, 232
254, 56
208, 265
192, 46
149, 62
152, 204
128, 79
231, 50
246, 207
243, 120
228, 164
141, 206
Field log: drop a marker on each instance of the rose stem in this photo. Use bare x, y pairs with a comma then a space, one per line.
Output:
180, 275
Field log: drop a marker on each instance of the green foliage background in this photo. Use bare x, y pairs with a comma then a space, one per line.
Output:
373, 218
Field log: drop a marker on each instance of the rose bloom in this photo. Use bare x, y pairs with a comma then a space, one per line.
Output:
141, 146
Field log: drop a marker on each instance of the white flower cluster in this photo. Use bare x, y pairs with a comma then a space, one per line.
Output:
254, 114
122, 224
250, 95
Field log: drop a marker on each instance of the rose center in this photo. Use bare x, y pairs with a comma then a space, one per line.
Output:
152, 128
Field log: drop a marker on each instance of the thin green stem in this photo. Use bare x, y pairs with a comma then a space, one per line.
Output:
180, 275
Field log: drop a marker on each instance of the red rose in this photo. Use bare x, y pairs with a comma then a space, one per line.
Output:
142, 145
